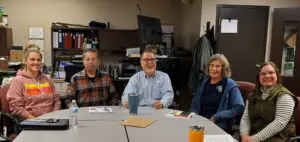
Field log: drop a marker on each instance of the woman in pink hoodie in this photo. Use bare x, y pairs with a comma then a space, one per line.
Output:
31, 92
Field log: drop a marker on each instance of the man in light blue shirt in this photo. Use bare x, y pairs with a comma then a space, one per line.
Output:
153, 87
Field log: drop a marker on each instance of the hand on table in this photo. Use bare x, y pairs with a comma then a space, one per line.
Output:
213, 119
158, 105
31, 117
126, 104
247, 138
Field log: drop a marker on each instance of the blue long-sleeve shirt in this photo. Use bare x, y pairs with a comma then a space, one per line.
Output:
149, 89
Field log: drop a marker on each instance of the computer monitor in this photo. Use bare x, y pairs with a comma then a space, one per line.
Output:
71, 70
149, 30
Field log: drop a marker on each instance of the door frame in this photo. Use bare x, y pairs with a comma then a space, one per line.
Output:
280, 17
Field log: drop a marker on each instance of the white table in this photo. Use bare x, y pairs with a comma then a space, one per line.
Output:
107, 128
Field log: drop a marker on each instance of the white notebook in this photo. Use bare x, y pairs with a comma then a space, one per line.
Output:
218, 138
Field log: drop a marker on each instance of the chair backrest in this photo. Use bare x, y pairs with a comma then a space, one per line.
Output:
246, 88
297, 116
3, 100
6, 121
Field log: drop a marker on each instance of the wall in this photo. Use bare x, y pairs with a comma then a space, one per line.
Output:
120, 13
191, 17
209, 12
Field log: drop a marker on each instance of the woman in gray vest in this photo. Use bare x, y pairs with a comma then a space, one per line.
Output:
268, 116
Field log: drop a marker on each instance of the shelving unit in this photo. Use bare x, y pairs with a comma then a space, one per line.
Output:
70, 41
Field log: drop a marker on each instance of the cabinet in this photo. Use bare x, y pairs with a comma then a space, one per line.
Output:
69, 42
285, 51
5, 41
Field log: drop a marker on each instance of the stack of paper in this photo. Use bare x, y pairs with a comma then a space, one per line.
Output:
180, 114
100, 110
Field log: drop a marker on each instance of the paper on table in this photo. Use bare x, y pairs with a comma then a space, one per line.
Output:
218, 138
137, 122
180, 114
100, 110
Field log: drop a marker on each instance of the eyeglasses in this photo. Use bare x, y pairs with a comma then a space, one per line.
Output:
148, 59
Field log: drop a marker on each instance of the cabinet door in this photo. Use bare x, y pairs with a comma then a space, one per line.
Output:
285, 52
5, 41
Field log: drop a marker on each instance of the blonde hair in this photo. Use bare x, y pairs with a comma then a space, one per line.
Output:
31, 48
226, 72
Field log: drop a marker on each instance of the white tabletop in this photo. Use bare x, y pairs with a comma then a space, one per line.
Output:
106, 127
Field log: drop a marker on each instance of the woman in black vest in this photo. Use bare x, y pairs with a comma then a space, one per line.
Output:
268, 116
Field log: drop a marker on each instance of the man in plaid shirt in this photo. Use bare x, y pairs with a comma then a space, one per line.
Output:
91, 87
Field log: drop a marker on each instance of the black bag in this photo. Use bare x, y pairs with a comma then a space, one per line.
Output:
45, 124
97, 24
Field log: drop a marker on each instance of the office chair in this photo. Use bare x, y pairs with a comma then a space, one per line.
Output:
246, 89
7, 121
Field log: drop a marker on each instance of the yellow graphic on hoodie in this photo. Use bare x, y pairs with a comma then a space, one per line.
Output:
38, 89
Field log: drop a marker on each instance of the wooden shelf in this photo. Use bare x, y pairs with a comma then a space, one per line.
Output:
76, 29
68, 49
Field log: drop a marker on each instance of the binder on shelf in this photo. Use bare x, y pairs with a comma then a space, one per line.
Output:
55, 40
60, 39
75, 41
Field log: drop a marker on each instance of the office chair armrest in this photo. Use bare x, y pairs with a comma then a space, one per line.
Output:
294, 138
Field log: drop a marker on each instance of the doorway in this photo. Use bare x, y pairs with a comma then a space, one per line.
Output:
241, 34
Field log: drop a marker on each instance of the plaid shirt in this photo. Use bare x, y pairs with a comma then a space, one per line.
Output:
86, 92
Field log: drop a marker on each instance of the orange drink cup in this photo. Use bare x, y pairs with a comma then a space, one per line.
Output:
196, 133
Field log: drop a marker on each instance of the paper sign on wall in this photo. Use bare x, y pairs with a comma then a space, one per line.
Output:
229, 26
38, 42
36, 32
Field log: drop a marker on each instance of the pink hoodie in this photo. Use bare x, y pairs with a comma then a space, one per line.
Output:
35, 96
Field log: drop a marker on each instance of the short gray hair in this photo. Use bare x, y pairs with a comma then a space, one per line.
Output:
93, 50
226, 71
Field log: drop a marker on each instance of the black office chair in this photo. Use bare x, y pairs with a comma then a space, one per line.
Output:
71, 70
7, 121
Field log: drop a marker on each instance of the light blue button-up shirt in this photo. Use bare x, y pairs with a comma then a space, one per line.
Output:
149, 89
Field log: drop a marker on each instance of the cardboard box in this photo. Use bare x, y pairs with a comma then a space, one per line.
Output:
16, 55
4, 65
